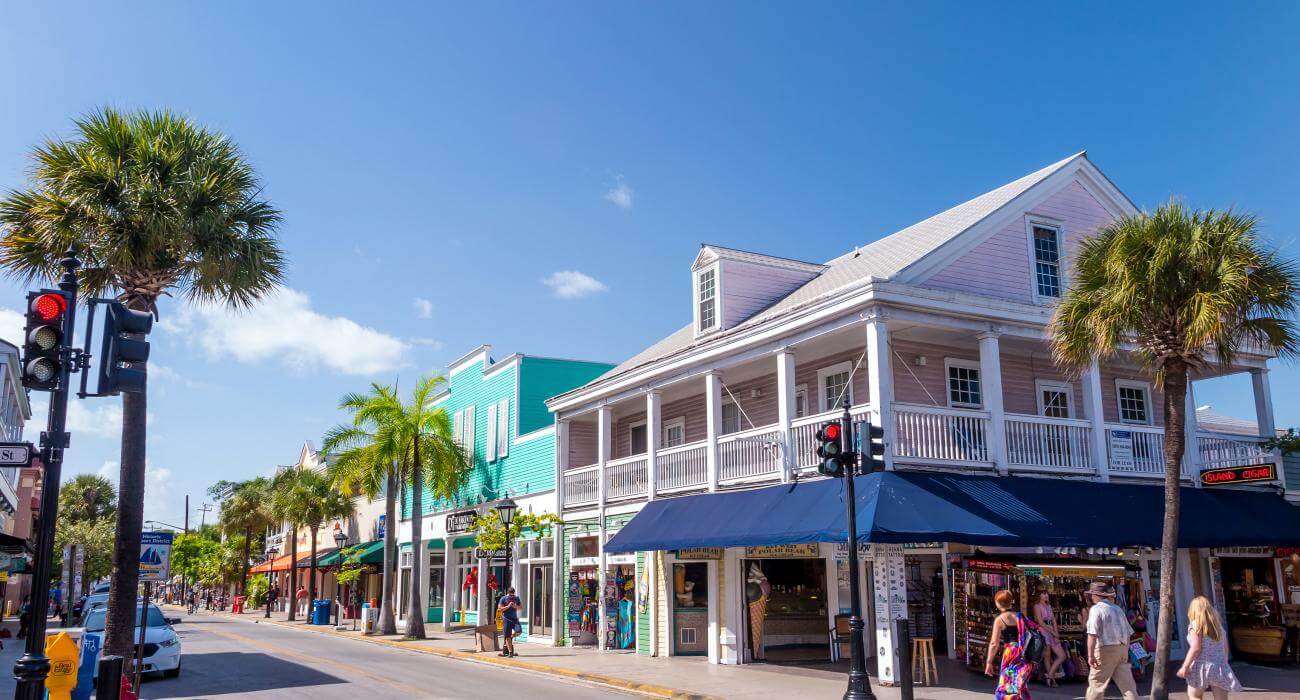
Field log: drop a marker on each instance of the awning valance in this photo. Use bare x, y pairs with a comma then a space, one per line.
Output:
901, 507
370, 553
304, 562
281, 563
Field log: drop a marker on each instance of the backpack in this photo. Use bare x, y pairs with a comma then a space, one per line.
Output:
1034, 645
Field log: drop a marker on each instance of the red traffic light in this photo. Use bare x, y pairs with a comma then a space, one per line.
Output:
831, 431
49, 306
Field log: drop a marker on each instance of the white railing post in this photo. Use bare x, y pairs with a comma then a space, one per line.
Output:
785, 410
604, 442
1191, 462
1263, 402
880, 380
1095, 411
991, 388
653, 433
713, 413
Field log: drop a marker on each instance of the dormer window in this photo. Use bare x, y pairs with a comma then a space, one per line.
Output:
1046, 242
706, 294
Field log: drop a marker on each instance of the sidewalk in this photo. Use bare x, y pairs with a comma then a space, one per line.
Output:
694, 677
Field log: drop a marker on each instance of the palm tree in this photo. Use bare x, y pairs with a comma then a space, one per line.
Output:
366, 460
308, 498
286, 508
153, 202
87, 497
247, 510
1184, 288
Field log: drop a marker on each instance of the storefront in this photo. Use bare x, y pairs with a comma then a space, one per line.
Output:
583, 590
786, 603
690, 605
1255, 589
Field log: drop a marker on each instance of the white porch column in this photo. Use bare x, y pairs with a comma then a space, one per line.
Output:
602, 625
1094, 410
1263, 402
880, 380
785, 410
653, 436
713, 413
450, 586
1191, 455
604, 443
561, 459
991, 387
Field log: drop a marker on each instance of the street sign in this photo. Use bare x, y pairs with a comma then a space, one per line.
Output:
16, 454
155, 555
1239, 475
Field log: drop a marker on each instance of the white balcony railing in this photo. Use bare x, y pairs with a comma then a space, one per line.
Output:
1215, 450
582, 485
804, 433
750, 454
1146, 457
682, 467
626, 477
1051, 444
934, 435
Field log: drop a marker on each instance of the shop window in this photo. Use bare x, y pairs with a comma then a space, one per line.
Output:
435, 579
690, 608
964, 389
586, 546
1134, 403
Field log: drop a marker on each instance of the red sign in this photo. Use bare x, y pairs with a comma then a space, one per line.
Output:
1239, 475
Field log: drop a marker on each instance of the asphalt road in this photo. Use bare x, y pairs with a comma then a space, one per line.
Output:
224, 657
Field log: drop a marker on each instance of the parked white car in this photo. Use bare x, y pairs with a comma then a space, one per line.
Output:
162, 646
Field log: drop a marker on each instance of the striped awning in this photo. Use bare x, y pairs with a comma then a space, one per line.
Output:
281, 563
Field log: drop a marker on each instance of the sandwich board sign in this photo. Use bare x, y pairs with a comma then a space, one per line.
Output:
155, 555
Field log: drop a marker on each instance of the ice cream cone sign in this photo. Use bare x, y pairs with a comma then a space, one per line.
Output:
63, 653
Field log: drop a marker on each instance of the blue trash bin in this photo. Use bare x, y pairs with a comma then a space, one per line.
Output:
320, 612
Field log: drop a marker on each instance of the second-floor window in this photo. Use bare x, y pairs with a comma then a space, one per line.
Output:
707, 294
1047, 262
637, 436
964, 389
1054, 399
674, 432
1133, 404
833, 385
730, 417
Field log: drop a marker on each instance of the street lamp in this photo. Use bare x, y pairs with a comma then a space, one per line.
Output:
340, 539
506, 511
271, 552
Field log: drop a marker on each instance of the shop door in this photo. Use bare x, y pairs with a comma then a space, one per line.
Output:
540, 621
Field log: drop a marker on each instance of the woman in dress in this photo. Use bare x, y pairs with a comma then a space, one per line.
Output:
1206, 665
1045, 616
1009, 636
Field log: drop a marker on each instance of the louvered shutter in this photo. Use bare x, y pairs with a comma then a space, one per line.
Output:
492, 433
469, 433
503, 428
458, 428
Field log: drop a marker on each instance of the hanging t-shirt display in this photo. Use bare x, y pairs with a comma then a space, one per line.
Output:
620, 607
582, 606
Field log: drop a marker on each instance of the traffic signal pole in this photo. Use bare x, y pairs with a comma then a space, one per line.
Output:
859, 685
32, 668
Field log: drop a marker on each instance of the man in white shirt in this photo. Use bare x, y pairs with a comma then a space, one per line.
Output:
1108, 638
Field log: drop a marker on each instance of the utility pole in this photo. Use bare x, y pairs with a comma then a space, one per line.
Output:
203, 519
32, 668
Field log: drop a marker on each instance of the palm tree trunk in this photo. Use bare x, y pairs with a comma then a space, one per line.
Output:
387, 623
1175, 416
293, 573
243, 570
119, 622
311, 575
415, 613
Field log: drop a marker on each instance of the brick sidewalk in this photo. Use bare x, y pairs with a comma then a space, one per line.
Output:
694, 677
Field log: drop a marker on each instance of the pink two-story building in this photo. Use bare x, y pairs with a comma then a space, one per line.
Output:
938, 333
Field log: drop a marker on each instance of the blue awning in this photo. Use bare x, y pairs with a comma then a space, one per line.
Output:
901, 507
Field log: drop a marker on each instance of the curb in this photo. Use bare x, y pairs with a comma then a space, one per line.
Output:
645, 689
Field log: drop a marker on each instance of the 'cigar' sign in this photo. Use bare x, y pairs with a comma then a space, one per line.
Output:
1239, 475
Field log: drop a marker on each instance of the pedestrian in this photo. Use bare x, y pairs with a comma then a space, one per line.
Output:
1045, 616
273, 600
1108, 637
24, 616
301, 597
1206, 664
509, 607
1009, 635
207, 599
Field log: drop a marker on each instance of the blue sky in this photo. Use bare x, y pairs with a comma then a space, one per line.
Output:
437, 163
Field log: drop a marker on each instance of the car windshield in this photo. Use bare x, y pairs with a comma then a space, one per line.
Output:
95, 620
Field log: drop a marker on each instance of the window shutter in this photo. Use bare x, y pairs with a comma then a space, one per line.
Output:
491, 433
458, 428
503, 428
469, 433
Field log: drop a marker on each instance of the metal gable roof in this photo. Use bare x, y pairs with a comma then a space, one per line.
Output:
883, 259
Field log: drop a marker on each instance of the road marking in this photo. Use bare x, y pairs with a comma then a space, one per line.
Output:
279, 650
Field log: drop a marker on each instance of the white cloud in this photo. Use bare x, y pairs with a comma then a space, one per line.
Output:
427, 342
571, 284
620, 194
284, 327
158, 503
96, 417
423, 307
109, 470
11, 326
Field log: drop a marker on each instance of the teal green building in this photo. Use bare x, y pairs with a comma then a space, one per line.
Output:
498, 412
